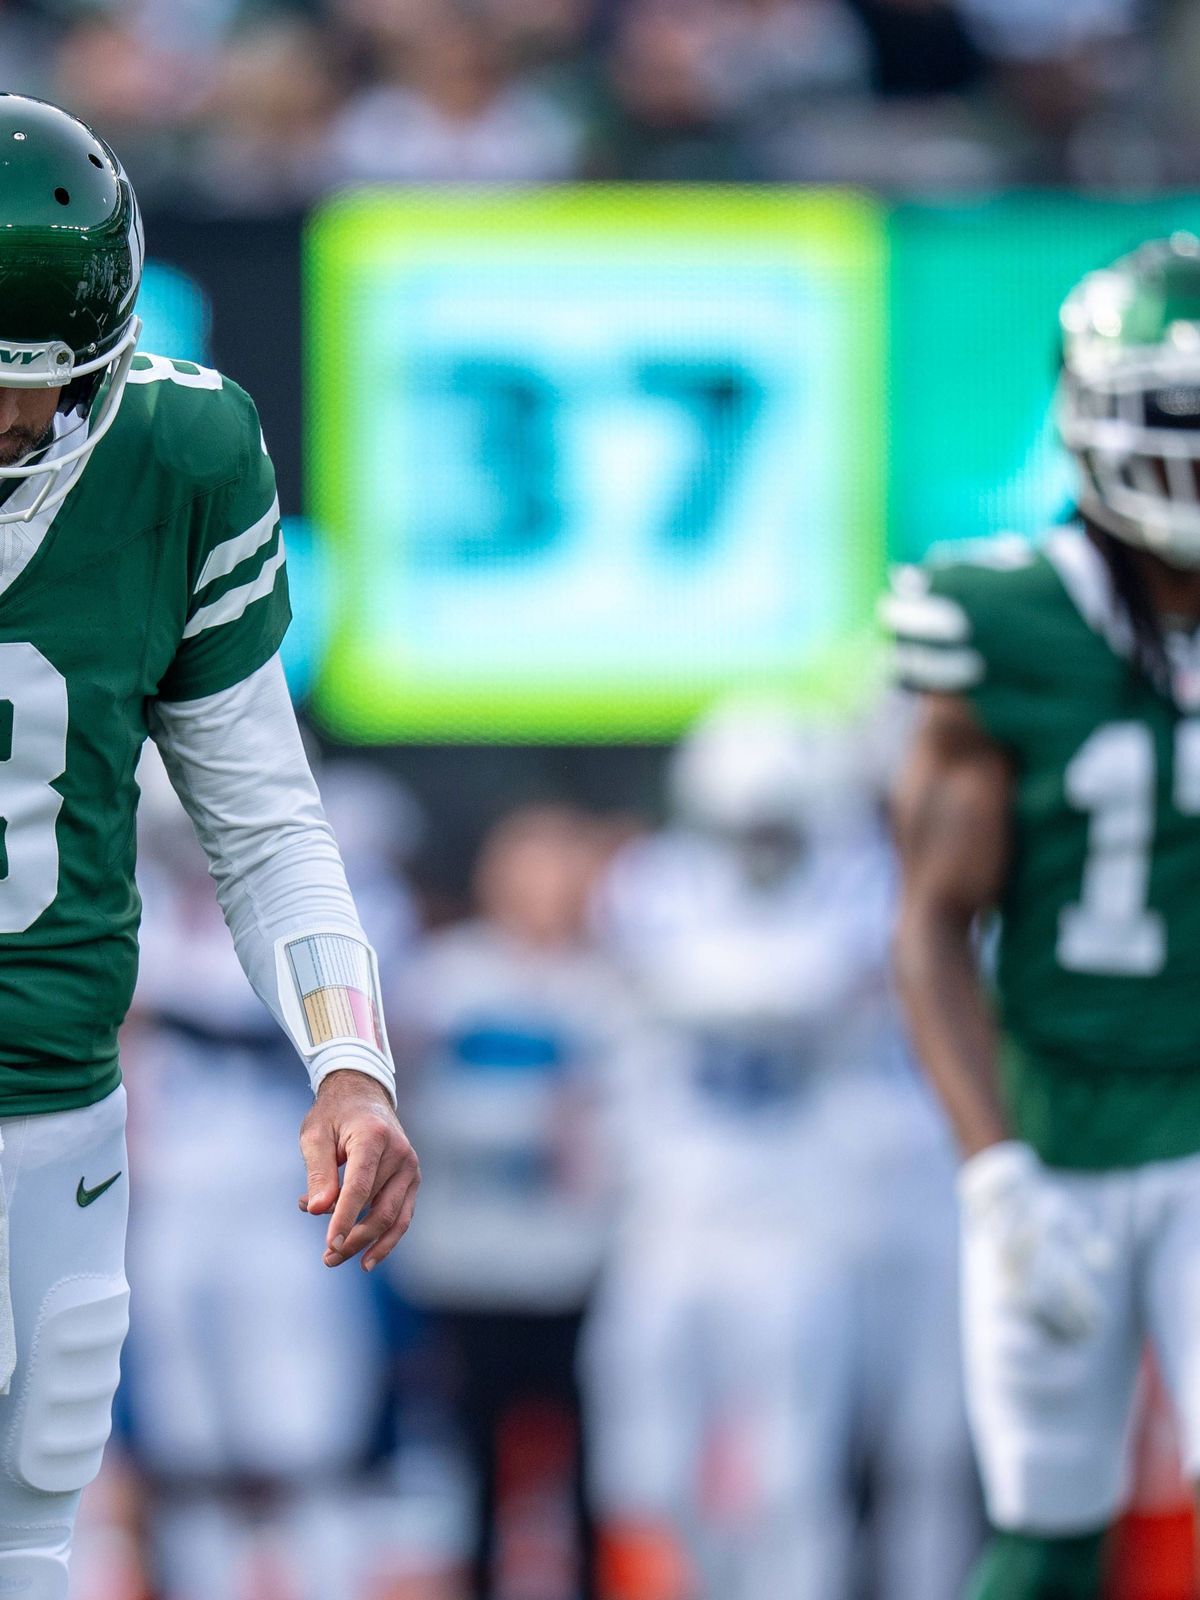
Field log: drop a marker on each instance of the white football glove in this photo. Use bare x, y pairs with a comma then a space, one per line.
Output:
1051, 1254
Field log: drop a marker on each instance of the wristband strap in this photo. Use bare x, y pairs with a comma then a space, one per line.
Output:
330, 999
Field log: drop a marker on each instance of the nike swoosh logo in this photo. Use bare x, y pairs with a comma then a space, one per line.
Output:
84, 1196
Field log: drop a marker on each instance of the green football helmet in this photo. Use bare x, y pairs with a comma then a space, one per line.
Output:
1129, 396
71, 252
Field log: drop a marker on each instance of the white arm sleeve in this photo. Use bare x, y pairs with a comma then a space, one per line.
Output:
237, 762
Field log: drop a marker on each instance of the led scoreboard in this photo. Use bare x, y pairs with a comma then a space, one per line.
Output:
585, 457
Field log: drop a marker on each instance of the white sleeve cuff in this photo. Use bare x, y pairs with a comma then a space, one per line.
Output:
352, 1057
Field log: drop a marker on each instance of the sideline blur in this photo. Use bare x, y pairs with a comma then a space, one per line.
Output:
240, 105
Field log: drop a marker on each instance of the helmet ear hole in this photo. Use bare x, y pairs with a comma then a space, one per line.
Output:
63, 198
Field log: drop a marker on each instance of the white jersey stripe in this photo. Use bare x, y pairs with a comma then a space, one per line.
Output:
162, 369
921, 666
934, 617
222, 558
231, 606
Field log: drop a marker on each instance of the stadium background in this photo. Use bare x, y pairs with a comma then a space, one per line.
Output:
608, 351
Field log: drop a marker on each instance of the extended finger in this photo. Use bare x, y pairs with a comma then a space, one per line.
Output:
388, 1241
385, 1209
319, 1149
358, 1185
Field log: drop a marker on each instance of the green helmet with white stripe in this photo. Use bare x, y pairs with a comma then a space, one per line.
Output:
71, 252
1129, 396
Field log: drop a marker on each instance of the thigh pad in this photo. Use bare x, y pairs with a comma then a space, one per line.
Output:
71, 1378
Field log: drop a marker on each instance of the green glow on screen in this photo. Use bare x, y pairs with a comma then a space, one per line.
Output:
587, 457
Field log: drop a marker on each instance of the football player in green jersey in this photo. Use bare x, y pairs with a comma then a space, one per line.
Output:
1055, 781
142, 593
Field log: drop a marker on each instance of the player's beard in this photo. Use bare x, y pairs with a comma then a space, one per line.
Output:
19, 443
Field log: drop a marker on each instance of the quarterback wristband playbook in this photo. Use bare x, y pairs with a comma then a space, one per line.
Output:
330, 999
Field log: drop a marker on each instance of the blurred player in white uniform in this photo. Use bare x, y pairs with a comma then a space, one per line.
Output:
782, 1309
514, 1028
246, 1443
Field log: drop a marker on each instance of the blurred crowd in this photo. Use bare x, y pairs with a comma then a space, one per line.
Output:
262, 105
676, 1320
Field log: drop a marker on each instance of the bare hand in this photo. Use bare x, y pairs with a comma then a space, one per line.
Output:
352, 1122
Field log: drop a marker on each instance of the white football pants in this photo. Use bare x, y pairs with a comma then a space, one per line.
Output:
71, 1310
1051, 1419
736, 1372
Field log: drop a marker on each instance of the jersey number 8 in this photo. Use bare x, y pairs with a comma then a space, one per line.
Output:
34, 694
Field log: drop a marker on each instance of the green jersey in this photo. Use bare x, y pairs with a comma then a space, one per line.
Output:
159, 576
1098, 959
